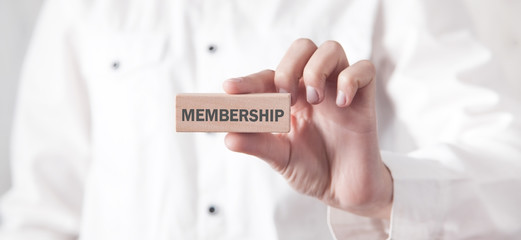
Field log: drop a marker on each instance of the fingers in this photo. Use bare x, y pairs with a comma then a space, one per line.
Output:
289, 71
272, 148
356, 76
315, 66
328, 60
260, 82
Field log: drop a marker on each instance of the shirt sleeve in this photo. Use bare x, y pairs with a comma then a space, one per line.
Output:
455, 151
50, 141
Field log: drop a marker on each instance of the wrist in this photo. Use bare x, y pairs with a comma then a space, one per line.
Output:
374, 198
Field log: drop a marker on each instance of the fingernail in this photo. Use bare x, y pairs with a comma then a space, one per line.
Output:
236, 80
282, 90
311, 94
341, 99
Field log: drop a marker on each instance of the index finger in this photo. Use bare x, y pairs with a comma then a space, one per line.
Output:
328, 61
290, 69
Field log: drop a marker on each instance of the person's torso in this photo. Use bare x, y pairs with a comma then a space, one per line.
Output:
148, 182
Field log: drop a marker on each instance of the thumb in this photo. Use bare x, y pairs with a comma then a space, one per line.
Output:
272, 148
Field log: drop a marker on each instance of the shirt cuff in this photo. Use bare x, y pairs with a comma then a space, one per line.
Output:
417, 205
345, 225
417, 211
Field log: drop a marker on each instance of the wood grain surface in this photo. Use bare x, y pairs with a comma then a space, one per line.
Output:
215, 112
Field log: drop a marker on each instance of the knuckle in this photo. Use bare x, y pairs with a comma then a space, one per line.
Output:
346, 76
312, 75
304, 43
347, 79
282, 77
368, 66
333, 46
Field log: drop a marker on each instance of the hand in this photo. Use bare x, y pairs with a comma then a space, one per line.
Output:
332, 150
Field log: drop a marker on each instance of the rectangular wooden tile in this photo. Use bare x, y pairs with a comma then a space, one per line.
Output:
215, 112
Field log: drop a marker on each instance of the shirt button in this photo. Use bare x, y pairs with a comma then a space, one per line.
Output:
115, 65
212, 48
212, 210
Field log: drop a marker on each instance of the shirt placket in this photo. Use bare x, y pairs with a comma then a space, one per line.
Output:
211, 186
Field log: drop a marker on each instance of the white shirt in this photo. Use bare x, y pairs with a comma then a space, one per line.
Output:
96, 155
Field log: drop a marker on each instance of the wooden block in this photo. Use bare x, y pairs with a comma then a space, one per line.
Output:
215, 112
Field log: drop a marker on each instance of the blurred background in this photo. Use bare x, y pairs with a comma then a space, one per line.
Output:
17, 18
496, 23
